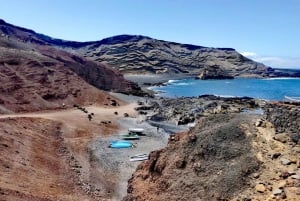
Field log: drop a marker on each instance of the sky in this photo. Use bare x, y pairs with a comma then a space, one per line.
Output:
267, 31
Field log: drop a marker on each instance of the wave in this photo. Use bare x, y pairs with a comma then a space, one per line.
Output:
182, 84
226, 96
172, 81
296, 99
282, 78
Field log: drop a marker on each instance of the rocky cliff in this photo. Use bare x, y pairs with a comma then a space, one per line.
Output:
140, 54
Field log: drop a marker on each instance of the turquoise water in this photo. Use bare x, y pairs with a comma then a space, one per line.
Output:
268, 89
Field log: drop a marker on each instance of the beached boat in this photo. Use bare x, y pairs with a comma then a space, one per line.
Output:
120, 144
138, 131
139, 157
130, 137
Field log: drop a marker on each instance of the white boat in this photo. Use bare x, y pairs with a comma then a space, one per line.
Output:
136, 130
139, 157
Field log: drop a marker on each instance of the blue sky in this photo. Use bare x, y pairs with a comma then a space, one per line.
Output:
264, 30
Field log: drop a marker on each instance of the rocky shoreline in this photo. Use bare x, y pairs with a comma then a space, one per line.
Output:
228, 132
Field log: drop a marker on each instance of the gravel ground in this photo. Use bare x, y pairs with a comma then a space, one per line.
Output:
117, 160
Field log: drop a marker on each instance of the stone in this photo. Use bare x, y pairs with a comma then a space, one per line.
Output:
296, 149
260, 188
295, 137
284, 175
295, 176
282, 195
260, 157
291, 172
281, 137
258, 123
277, 191
256, 175
285, 161
276, 155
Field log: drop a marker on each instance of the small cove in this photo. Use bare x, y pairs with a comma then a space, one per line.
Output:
268, 89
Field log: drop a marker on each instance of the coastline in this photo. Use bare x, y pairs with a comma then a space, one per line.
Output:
272, 89
148, 80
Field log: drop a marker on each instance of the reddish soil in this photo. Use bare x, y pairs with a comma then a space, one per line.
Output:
44, 155
37, 77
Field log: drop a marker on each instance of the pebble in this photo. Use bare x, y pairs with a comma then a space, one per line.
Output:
260, 188
277, 191
258, 123
295, 176
256, 175
285, 161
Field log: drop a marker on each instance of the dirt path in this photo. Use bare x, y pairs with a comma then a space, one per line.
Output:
77, 132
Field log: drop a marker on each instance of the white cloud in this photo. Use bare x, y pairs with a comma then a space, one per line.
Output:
249, 54
275, 62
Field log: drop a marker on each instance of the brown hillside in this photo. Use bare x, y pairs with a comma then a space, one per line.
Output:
38, 77
33, 166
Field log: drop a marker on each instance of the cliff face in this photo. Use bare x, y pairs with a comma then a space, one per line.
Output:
140, 54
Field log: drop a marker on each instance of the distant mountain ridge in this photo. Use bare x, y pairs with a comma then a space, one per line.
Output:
136, 54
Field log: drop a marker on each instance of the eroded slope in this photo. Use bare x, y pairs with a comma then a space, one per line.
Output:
210, 162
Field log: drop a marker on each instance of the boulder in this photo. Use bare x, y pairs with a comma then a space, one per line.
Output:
213, 72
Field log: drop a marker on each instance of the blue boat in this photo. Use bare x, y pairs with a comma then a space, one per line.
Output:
120, 144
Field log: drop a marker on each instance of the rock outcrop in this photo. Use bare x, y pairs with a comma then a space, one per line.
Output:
212, 161
232, 156
186, 110
285, 116
213, 72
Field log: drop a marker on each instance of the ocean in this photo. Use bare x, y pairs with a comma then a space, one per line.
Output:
267, 89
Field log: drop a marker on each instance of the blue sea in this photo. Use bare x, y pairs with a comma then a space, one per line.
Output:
267, 89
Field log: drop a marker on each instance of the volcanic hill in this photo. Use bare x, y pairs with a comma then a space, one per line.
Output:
38, 76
